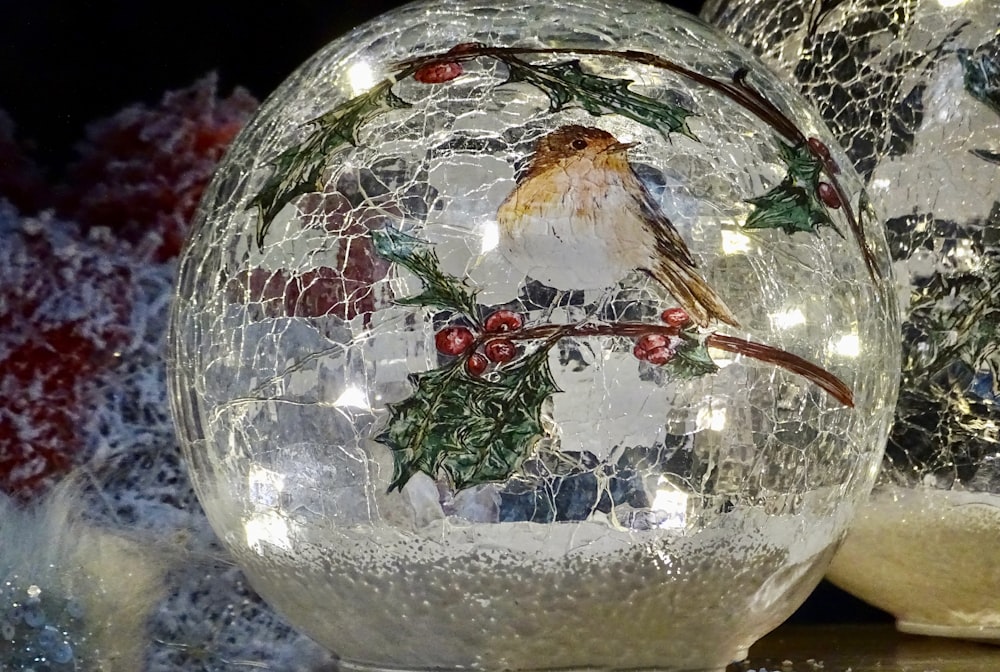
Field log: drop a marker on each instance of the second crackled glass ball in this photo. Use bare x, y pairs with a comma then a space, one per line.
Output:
501, 325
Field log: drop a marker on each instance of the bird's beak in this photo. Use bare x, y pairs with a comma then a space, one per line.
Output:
618, 147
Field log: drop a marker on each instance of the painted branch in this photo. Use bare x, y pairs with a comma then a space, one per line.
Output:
764, 353
786, 360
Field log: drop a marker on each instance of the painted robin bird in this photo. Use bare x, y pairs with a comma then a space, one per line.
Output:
580, 218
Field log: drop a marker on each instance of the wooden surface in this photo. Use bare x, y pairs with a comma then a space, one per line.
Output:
865, 648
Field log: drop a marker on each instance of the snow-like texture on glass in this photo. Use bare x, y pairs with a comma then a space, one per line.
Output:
912, 90
503, 324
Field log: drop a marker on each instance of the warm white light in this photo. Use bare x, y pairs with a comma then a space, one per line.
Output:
734, 242
491, 237
670, 506
787, 319
267, 526
847, 345
711, 418
361, 77
950, 3
353, 397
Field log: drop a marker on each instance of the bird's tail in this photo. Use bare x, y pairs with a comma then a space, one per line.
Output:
695, 296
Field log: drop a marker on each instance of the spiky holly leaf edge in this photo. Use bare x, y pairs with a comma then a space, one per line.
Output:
566, 84
470, 429
441, 290
794, 204
298, 169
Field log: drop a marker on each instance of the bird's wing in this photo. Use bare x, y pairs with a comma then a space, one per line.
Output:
667, 237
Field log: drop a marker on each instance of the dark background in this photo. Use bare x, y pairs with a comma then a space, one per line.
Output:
65, 63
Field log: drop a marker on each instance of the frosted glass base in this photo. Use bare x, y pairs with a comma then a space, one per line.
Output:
979, 633
928, 557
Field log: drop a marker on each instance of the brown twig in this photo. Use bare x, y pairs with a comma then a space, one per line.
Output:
786, 360
740, 346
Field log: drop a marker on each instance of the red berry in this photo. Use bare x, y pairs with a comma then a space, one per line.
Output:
500, 350
823, 152
819, 148
828, 195
503, 320
675, 317
651, 341
647, 343
453, 340
476, 364
660, 355
438, 73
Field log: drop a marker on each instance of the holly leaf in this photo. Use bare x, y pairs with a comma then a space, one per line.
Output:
981, 74
567, 84
794, 205
441, 290
470, 429
298, 169
691, 358
986, 155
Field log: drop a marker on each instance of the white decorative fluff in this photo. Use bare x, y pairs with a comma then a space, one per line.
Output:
75, 596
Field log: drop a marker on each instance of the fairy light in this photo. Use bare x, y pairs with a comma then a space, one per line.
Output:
269, 527
848, 345
353, 397
671, 507
361, 77
734, 242
491, 237
787, 319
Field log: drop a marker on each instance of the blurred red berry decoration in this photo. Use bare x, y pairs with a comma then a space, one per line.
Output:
65, 310
70, 287
141, 172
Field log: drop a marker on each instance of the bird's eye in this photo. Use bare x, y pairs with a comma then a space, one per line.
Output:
579, 144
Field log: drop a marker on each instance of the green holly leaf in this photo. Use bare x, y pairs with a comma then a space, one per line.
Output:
441, 290
298, 169
470, 429
794, 205
691, 358
982, 74
567, 84
986, 155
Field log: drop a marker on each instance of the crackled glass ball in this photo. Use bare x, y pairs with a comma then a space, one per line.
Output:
505, 325
912, 89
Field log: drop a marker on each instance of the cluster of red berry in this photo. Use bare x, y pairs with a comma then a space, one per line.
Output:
658, 348
458, 340
826, 192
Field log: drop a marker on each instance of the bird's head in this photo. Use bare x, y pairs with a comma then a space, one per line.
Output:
570, 144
